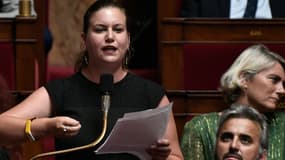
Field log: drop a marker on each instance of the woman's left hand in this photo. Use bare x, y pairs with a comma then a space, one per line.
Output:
160, 150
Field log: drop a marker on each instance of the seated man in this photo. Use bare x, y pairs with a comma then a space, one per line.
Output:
231, 8
242, 134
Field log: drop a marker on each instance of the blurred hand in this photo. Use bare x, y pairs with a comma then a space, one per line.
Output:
64, 126
160, 150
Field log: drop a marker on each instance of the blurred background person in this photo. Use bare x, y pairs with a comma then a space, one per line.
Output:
265, 9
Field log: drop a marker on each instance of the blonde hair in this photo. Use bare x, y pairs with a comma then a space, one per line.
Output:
251, 61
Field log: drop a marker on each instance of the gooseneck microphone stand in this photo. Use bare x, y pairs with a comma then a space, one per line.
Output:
105, 86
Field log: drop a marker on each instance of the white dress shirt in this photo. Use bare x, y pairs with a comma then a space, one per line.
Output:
237, 9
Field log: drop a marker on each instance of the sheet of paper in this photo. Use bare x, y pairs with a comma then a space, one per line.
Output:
136, 131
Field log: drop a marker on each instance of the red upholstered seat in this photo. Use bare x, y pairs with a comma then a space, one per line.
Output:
7, 63
58, 72
205, 63
178, 7
48, 146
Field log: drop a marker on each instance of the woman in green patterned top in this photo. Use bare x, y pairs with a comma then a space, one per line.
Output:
255, 78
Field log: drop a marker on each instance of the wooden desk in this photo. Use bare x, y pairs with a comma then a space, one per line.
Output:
176, 33
27, 36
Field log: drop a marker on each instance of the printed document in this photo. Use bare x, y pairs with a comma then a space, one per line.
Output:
136, 131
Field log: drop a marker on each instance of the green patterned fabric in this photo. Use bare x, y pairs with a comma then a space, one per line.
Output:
199, 137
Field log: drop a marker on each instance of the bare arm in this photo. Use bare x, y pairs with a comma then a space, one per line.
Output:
37, 105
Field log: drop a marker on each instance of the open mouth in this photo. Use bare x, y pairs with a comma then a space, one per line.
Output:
109, 48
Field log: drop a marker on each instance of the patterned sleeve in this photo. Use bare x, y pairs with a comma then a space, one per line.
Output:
191, 142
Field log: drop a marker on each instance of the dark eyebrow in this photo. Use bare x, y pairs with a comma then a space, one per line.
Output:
226, 134
119, 25
275, 75
245, 136
100, 25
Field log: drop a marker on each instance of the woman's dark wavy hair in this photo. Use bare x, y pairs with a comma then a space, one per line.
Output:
96, 6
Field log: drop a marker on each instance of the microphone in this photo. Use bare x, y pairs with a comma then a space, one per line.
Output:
106, 88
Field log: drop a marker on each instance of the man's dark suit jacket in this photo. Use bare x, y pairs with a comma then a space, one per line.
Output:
1, 5
221, 8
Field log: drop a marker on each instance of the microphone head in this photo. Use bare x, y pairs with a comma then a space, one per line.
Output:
106, 83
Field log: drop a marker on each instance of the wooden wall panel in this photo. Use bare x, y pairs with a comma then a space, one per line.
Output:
180, 32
